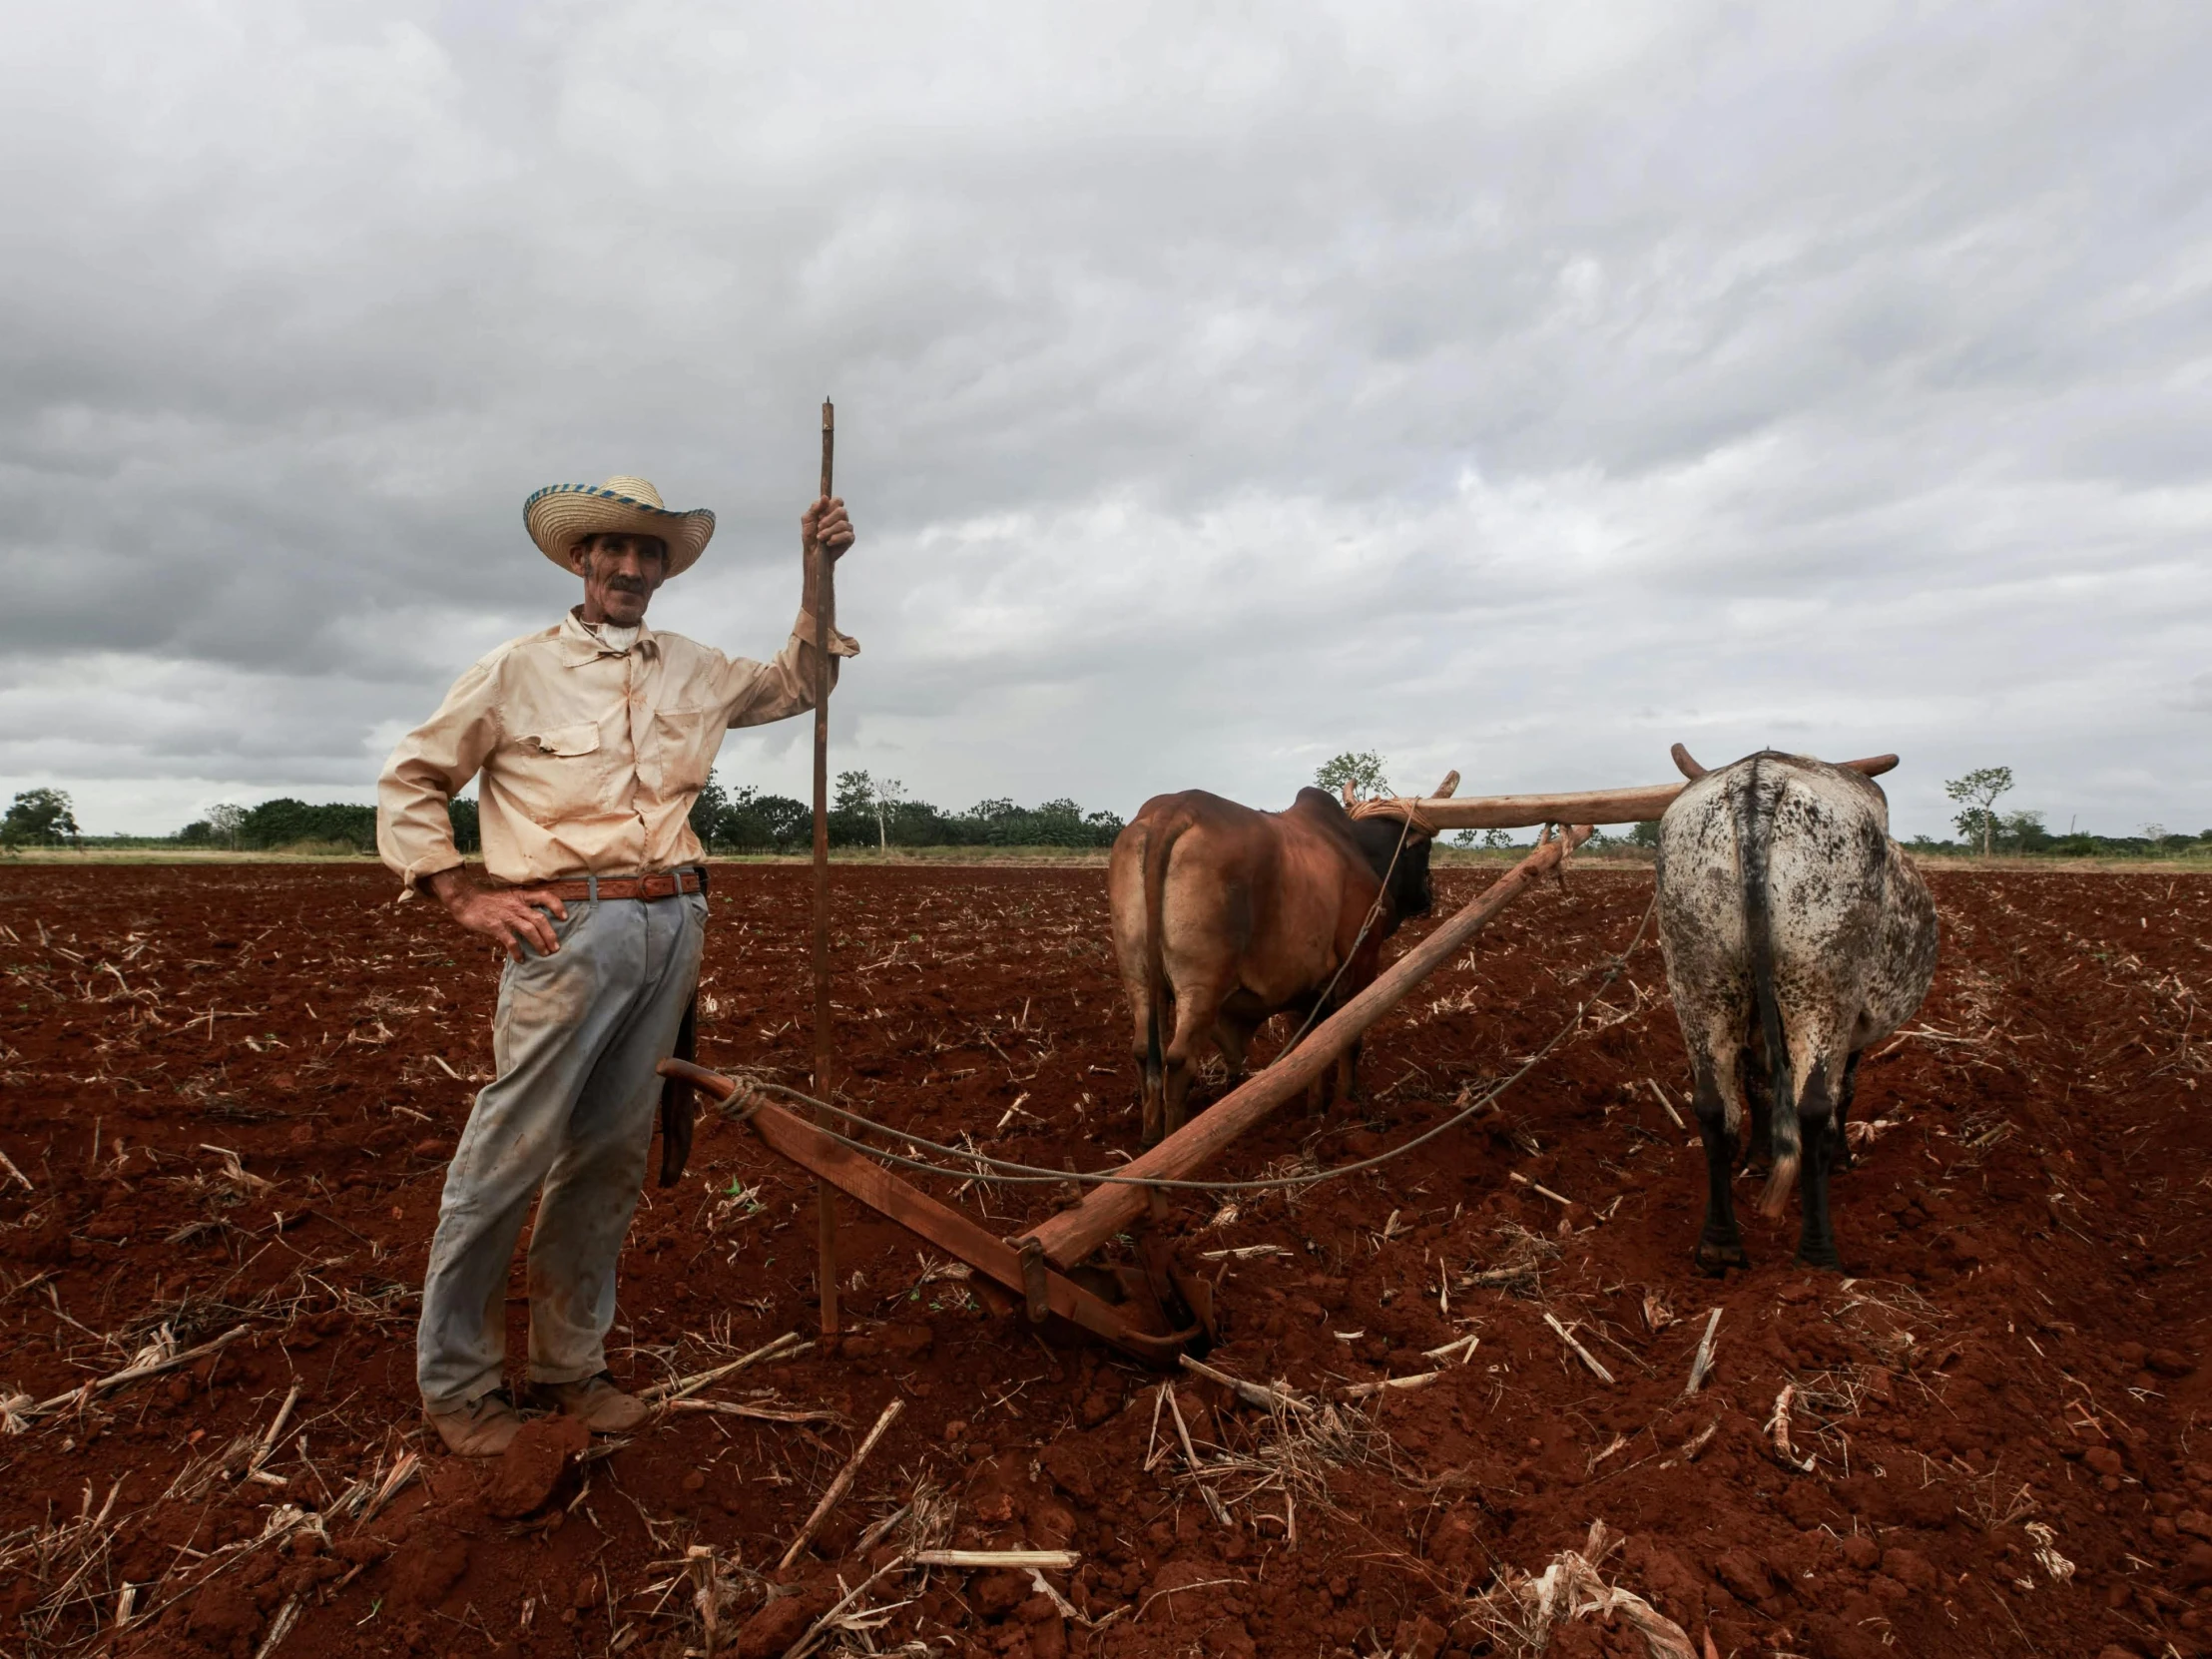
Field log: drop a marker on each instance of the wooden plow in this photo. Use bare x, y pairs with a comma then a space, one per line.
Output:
1156, 1309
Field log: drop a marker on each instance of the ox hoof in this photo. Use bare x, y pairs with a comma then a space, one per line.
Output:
1717, 1256
1810, 1256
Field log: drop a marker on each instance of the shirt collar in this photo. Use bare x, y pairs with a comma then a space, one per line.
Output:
579, 645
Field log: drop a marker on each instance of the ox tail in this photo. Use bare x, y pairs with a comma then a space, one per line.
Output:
1158, 845
1754, 840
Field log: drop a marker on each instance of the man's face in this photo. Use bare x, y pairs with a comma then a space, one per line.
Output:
620, 572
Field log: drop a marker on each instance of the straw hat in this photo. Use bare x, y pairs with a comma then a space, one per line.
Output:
561, 515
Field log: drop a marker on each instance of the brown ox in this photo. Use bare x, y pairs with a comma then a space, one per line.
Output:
1234, 916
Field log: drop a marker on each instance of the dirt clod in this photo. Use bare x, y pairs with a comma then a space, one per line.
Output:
774, 1628
429, 1565
537, 1468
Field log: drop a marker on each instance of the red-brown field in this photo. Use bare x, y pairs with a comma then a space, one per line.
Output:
229, 1093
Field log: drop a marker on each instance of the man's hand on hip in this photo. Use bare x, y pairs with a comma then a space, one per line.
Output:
514, 917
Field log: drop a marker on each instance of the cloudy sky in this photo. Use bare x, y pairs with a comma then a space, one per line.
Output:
1510, 387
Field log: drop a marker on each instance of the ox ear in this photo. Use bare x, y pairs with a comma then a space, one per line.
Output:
1873, 766
1450, 787
1683, 762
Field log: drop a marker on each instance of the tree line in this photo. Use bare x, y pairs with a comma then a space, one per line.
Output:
873, 812
866, 813
743, 820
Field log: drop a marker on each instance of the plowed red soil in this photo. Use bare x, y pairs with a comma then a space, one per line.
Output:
2002, 1408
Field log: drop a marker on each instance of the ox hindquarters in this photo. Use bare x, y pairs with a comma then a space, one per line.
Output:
1795, 929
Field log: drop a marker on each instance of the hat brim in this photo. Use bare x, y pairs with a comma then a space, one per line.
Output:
561, 515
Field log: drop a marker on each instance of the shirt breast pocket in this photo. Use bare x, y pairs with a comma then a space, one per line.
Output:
560, 773
687, 742
566, 742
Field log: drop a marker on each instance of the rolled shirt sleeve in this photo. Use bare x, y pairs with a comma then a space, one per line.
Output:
415, 833
757, 693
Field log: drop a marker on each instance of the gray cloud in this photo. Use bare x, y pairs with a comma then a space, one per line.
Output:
1516, 389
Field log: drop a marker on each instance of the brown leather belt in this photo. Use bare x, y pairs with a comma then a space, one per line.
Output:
666, 886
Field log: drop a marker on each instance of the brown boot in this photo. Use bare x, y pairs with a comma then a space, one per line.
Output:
481, 1429
596, 1402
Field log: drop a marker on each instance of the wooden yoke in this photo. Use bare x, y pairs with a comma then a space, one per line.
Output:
1591, 806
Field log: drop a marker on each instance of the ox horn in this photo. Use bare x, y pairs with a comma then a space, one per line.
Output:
1873, 766
1352, 796
1688, 768
1450, 787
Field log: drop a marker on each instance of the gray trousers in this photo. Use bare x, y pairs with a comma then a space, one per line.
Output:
576, 1038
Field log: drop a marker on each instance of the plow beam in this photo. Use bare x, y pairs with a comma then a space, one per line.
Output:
1032, 1280
1591, 806
1073, 1233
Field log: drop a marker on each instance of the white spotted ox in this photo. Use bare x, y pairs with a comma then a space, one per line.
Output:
1796, 932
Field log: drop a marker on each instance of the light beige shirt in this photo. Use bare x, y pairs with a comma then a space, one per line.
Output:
591, 756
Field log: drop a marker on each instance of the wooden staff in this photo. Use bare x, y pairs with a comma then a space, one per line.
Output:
826, 1205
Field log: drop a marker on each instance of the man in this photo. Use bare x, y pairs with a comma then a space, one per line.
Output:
591, 738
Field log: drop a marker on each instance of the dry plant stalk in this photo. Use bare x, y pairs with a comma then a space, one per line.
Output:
258, 1451
839, 1487
1252, 1394
1290, 1453
22, 1417
1523, 1609
1703, 1362
279, 1627
838, 1618
404, 1470
1538, 1188
1051, 1560
1520, 1268
759, 1414
1581, 1352
2045, 1540
708, 1597
785, 1346
1398, 1385
38, 1555
1779, 1427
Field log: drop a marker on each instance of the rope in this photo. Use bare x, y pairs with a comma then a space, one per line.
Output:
1010, 1173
